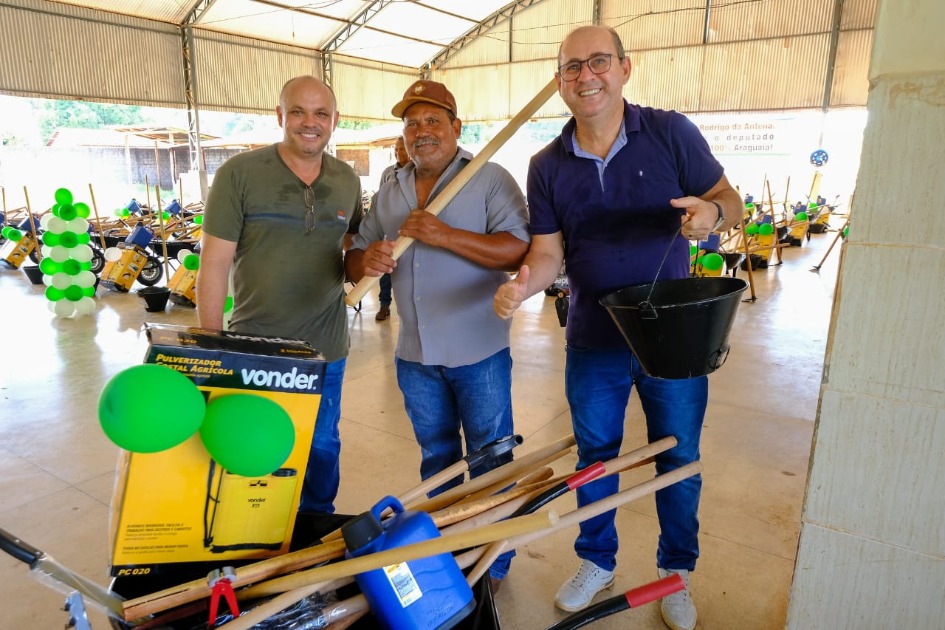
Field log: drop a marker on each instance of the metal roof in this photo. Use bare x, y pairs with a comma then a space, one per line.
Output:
234, 55
404, 32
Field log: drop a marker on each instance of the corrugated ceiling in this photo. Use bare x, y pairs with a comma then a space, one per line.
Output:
406, 32
690, 55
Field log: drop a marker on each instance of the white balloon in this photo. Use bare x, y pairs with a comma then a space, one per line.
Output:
44, 220
81, 253
45, 250
51, 306
84, 278
56, 225
112, 254
59, 253
47, 280
61, 280
78, 225
183, 254
85, 306
64, 308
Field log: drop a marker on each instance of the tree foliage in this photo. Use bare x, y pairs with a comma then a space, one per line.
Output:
53, 114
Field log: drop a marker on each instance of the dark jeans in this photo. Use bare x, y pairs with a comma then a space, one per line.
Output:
384, 296
441, 400
324, 473
597, 385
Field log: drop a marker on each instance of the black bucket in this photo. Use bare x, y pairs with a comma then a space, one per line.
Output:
34, 273
681, 329
155, 298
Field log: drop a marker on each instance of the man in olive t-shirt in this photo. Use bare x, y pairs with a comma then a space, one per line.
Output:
280, 218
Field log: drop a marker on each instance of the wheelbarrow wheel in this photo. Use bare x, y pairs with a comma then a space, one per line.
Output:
151, 273
97, 261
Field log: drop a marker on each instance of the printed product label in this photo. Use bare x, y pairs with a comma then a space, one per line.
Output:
403, 583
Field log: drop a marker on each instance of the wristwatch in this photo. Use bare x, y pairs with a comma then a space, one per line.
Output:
720, 220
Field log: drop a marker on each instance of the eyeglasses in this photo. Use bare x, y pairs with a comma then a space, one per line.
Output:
598, 64
310, 212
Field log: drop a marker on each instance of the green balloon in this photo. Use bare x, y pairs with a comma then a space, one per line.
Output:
712, 262
53, 294
228, 305
82, 210
14, 235
63, 196
124, 213
68, 239
247, 434
71, 267
88, 291
85, 266
811, 205
846, 232
166, 216
800, 216
751, 228
749, 206
50, 238
5, 231
692, 250
133, 420
192, 262
73, 293
198, 219
49, 266
766, 229
82, 238
67, 212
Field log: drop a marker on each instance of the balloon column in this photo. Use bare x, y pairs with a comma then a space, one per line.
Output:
66, 263
247, 434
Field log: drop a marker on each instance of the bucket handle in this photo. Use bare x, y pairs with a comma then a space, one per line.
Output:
647, 310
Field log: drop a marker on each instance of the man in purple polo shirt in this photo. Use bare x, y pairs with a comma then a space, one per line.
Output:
620, 186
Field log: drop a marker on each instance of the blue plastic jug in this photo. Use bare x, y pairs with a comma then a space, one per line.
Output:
426, 593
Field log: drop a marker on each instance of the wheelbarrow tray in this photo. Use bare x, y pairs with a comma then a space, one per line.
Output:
309, 529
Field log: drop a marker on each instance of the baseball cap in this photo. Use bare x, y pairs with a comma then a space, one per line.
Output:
425, 92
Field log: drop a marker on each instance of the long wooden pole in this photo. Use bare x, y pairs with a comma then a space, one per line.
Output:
160, 213
541, 457
483, 557
98, 221
300, 584
142, 607
774, 222
456, 184
29, 213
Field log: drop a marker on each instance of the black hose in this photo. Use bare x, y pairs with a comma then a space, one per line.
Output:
593, 613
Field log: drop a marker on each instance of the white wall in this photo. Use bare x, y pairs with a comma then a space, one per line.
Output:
872, 544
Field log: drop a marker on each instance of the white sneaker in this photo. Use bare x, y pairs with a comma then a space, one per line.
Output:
578, 592
678, 609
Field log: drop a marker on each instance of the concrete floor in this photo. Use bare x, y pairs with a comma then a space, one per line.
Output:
57, 467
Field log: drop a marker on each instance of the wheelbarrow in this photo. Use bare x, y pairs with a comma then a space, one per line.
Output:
80, 591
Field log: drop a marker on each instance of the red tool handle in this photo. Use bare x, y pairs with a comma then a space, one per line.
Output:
581, 477
654, 590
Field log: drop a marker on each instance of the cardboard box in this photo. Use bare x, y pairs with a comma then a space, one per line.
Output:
178, 505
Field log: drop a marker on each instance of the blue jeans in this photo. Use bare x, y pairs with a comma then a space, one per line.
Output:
384, 296
597, 385
441, 400
323, 473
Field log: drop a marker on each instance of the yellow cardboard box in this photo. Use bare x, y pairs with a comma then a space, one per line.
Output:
178, 505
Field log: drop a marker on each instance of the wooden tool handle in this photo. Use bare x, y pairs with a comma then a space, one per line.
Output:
456, 184
198, 589
530, 461
444, 544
